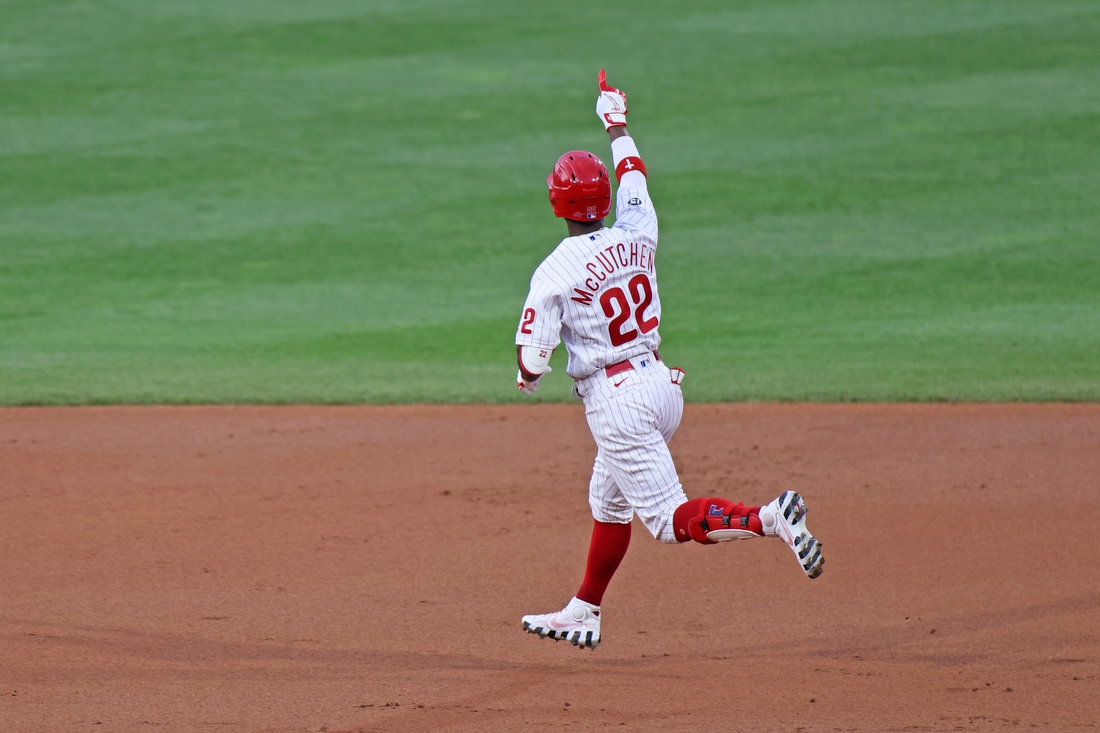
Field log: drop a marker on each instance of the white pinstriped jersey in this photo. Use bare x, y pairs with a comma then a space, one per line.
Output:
598, 292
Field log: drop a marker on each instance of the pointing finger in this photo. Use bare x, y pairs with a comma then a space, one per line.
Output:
603, 81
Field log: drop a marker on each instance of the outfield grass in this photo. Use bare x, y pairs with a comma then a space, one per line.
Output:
234, 200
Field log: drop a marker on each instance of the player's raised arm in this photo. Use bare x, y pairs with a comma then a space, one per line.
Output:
633, 209
611, 109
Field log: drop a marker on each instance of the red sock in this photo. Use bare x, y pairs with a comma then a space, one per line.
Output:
605, 552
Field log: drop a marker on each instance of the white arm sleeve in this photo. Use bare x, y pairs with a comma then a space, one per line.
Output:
633, 207
622, 148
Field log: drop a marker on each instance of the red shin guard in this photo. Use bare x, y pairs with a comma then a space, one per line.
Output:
711, 519
605, 552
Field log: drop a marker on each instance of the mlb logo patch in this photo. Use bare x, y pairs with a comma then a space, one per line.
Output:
714, 511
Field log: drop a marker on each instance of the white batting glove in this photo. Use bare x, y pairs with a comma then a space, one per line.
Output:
526, 387
611, 106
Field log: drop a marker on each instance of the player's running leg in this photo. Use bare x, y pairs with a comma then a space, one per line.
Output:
579, 622
711, 520
612, 515
610, 540
606, 550
632, 428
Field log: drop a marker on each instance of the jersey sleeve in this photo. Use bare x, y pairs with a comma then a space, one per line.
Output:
540, 323
633, 208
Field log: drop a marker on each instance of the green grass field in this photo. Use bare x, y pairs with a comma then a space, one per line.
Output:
244, 201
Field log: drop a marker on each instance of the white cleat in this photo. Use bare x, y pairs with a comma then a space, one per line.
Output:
578, 623
785, 518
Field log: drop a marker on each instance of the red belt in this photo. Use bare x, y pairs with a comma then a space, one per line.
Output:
623, 366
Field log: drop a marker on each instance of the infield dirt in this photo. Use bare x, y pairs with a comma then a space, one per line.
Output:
365, 569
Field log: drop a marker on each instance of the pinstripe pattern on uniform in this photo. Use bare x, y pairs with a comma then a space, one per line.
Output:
632, 424
634, 414
573, 271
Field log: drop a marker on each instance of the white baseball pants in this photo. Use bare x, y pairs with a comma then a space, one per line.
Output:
632, 416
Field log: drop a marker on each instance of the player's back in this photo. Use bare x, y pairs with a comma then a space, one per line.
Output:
597, 292
608, 280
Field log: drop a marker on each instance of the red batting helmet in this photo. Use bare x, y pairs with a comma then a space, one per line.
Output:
579, 187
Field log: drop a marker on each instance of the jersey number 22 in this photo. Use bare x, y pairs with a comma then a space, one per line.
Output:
617, 308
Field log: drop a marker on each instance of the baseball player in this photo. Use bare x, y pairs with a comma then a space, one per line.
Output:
597, 291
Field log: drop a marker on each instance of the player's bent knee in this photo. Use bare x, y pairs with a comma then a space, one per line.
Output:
712, 519
611, 514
